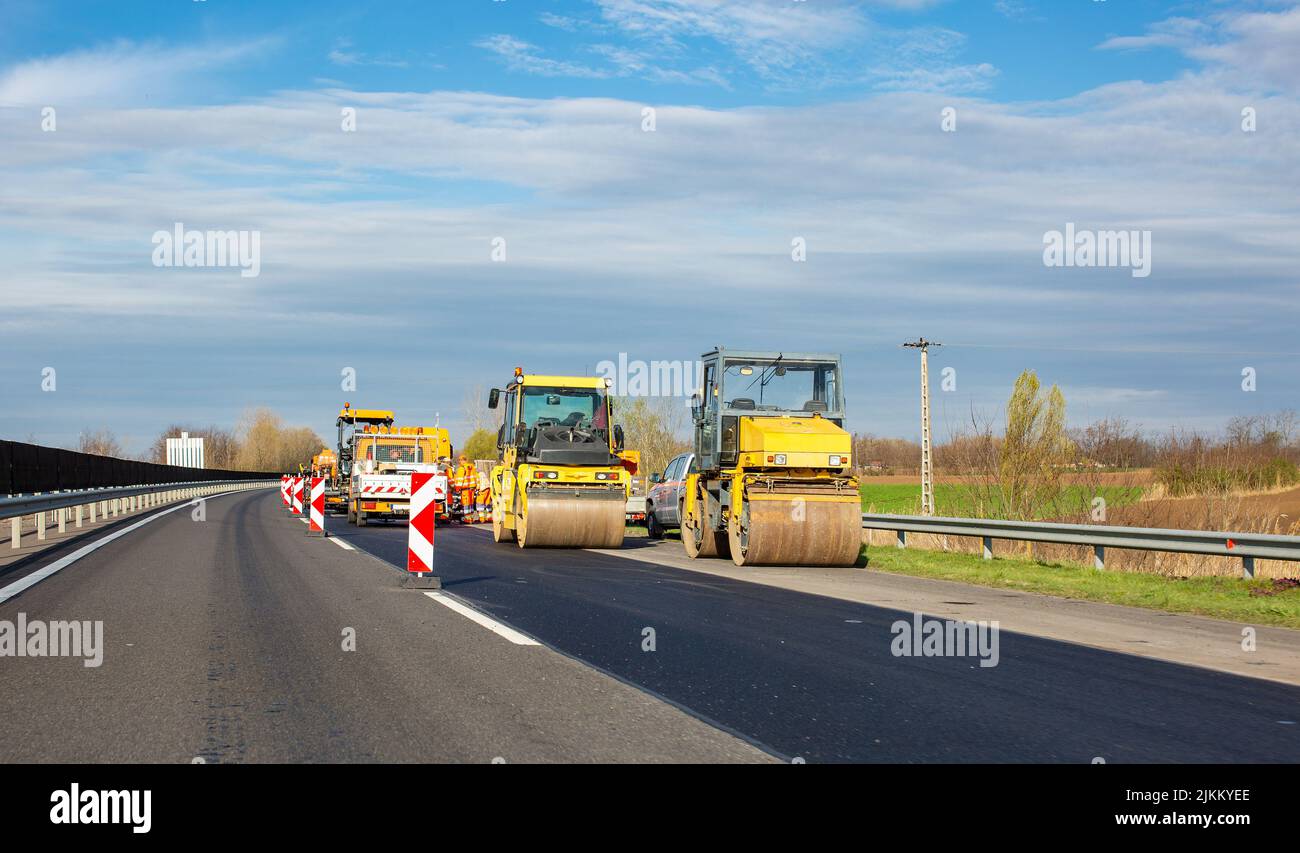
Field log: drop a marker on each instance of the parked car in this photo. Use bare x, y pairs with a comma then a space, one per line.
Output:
663, 502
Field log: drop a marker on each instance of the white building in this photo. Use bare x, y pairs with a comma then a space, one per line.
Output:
185, 451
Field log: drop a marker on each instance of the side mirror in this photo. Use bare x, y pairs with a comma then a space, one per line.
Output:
618, 436
697, 406
521, 434
501, 436
494, 397
656, 478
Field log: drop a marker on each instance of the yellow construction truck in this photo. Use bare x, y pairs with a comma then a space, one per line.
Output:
562, 478
384, 458
774, 484
349, 421
325, 465
379, 458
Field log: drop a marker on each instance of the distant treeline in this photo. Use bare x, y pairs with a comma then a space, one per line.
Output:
260, 442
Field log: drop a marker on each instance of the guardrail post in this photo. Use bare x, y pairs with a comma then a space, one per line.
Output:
78, 515
1248, 568
1099, 557
92, 511
63, 519
988, 547
16, 532
39, 518
902, 538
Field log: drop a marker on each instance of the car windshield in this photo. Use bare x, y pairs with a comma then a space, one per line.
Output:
782, 386
544, 406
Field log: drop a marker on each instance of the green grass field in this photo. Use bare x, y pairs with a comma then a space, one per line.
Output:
1221, 598
953, 500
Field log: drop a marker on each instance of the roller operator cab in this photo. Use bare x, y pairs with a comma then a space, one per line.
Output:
562, 479
773, 483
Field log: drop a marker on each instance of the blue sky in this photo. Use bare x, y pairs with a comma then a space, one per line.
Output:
774, 121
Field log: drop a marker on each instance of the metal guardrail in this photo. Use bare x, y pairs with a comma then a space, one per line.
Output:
109, 500
1244, 546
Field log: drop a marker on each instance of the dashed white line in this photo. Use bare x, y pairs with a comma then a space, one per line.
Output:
491, 624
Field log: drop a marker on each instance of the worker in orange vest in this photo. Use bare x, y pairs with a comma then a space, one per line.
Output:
483, 499
465, 482
443, 467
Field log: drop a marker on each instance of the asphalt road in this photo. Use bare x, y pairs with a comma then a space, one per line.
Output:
224, 642
814, 677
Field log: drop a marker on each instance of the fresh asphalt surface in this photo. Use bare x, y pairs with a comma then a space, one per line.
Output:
814, 677
222, 643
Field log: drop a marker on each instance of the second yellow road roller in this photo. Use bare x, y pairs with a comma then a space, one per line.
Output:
561, 480
774, 484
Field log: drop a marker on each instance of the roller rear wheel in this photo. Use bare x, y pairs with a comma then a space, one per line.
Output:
796, 532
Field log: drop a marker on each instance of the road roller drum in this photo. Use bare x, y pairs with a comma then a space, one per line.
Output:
780, 530
571, 521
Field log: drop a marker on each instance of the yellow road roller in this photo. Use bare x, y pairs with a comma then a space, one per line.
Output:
773, 482
560, 481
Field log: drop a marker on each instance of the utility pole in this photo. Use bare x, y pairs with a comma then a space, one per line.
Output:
927, 473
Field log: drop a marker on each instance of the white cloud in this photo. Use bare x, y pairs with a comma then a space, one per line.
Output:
342, 54
520, 55
1247, 48
120, 73
769, 35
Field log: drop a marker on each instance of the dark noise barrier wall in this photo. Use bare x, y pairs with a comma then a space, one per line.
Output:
26, 468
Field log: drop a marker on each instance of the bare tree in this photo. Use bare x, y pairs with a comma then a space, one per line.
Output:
266, 444
474, 407
655, 426
101, 442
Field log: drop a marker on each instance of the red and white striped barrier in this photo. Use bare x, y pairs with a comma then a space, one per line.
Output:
297, 495
381, 490
284, 490
316, 517
426, 490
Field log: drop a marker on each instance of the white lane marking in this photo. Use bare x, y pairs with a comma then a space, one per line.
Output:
491, 624
39, 575
339, 542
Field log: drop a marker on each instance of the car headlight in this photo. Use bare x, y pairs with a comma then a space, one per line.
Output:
780, 459
839, 461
